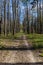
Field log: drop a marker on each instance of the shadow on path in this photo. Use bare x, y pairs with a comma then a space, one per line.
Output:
37, 63
17, 48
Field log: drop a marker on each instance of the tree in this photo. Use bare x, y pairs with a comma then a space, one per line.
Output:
17, 17
5, 18
39, 18
0, 27
26, 3
0, 15
8, 17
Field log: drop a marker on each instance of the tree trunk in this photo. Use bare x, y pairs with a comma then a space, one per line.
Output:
5, 20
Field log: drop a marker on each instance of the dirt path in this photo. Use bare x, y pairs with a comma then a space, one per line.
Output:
31, 56
17, 56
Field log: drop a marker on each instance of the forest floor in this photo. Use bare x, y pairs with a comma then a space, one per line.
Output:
19, 56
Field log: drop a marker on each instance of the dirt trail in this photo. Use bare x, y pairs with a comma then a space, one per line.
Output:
17, 56
31, 56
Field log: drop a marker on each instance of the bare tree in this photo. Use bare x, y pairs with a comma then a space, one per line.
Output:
5, 18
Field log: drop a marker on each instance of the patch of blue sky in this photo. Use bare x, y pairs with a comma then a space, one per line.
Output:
22, 11
22, 6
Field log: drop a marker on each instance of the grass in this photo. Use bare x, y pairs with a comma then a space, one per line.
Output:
9, 39
41, 55
34, 36
1, 46
18, 35
36, 40
10, 36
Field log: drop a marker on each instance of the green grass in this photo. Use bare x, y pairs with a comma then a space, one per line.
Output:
10, 36
36, 40
18, 35
34, 36
41, 55
2, 46
1, 43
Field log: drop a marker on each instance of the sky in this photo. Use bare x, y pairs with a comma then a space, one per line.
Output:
22, 9
22, 6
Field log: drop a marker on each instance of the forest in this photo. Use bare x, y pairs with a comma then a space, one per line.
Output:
21, 28
10, 16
